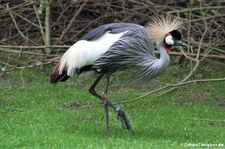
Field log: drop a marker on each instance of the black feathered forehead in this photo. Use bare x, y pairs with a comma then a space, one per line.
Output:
176, 34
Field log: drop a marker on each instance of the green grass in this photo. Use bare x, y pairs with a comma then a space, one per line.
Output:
36, 114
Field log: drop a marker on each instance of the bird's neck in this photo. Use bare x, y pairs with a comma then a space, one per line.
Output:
164, 59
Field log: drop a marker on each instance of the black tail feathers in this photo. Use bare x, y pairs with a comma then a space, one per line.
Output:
55, 77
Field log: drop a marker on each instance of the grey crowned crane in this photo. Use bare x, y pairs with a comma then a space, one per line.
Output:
118, 46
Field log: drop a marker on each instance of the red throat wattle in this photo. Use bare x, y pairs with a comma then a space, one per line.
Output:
168, 48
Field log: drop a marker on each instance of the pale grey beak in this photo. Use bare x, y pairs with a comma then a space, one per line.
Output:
180, 43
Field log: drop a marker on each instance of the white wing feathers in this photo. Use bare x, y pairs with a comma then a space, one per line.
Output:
85, 52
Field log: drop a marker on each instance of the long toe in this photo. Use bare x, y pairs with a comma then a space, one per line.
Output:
124, 120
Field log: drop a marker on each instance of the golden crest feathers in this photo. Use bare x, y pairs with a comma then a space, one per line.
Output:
160, 26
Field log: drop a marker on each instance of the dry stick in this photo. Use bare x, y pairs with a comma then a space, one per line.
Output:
31, 66
210, 36
11, 58
207, 18
205, 45
40, 24
25, 19
47, 25
6, 64
206, 27
71, 21
61, 15
131, 10
175, 85
209, 120
17, 28
41, 27
21, 77
24, 4
19, 52
35, 47
188, 57
23, 52
155, 91
196, 9
3, 48
15, 109
122, 102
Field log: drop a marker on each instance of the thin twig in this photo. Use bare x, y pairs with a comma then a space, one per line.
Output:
196, 9
72, 20
14, 21
31, 66
39, 22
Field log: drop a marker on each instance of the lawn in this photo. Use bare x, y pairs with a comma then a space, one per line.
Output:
36, 114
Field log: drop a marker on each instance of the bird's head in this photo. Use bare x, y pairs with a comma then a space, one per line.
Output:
165, 30
173, 38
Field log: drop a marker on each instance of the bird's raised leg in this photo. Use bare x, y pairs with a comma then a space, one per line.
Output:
92, 88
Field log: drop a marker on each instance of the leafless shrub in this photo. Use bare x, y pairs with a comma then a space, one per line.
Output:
24, 27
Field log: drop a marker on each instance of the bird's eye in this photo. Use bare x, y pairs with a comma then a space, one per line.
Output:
169, 40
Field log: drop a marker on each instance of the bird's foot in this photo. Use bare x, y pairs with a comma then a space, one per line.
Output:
120, 113
124, 120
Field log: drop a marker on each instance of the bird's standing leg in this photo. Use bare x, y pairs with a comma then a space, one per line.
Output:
121, 114
103, 98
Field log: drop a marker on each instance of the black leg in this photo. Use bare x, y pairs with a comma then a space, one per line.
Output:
92, 88
121, 114
103, 98
107, 118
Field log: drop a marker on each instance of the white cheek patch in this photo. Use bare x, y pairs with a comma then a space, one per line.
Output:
169, 40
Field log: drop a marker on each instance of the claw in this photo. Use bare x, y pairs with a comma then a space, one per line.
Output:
124, 120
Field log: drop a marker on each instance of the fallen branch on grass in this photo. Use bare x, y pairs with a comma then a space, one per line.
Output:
151, 92
208, 120
38, 64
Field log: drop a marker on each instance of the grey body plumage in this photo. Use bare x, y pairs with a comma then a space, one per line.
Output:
133, 50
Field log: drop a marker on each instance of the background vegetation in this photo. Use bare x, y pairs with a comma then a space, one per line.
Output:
182, 107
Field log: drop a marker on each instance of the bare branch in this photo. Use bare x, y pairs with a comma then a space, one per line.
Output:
14, 21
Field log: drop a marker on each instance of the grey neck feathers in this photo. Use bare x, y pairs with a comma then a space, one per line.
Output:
150, 68
159, 65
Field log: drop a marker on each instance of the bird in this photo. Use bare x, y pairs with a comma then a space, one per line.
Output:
116, 47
